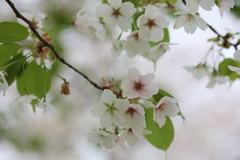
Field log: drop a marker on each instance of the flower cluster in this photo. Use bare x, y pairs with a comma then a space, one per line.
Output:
123, 119
147, 27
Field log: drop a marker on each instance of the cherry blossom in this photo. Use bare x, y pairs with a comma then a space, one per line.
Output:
105, 139
199, 71
193, 5
81, 23
214, 79
47, 107
117, 13
224, 5
3, 83
26, 99
151, 25
135, 117
189, 21
138, 85
116, 48
158, 50
134, 45
166, 106
112, 110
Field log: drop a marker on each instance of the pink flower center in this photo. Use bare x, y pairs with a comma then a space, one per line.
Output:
138, 86
130, 111
161, 107
136, 37
116, 13
151, 23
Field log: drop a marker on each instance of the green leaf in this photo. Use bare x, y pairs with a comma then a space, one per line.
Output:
6, 51
36, 79
161, 138
225, 71
15, 68
12, 32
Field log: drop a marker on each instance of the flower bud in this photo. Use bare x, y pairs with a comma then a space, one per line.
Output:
65, 88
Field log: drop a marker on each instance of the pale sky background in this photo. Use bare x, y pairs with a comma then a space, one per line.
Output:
212, 131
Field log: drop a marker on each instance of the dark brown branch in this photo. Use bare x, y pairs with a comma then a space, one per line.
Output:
45, 43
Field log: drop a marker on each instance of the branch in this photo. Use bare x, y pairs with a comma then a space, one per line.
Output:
45, 43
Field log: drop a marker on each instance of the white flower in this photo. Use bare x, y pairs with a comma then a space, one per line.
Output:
214, 79
135, 117
157, 51
224, 5
189, 21
129, 136
232, 68
107, 140
117, 13
193, 5
81, 23
198, 71
26, 99
151, 25
237, 55
138, 85
116, 48
3, 83
47, 107
101, 30
166, 106
133, 45
112, 110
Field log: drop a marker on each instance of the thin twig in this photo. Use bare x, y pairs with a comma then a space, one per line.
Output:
45, 43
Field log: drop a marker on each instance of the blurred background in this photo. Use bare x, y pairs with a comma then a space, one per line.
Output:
212, 130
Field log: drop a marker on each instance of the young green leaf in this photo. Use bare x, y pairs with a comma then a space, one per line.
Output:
12, 32
6, 51
161, 138
35, 79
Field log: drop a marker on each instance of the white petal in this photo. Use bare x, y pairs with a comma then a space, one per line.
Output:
200, 23
181, 12
237, 55
98, 111
112, 21
157, 34
151, 11
133, 74
132, 139
159, 117
127, 9
106, 120
171, 109
190, 28
161, 21
148, 78
207, 4
104, 10
124, 23
108, 97
107, 142
180, 22
232, 68
192, 6
115, 3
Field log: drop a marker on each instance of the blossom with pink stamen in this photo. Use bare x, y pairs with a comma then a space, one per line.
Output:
166, 106
138, 86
